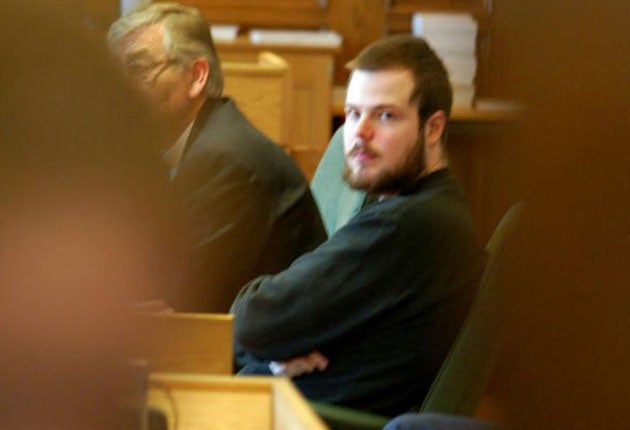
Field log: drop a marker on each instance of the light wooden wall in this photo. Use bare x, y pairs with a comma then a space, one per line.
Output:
359, 22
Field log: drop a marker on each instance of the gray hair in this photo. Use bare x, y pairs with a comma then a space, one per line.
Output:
186, 36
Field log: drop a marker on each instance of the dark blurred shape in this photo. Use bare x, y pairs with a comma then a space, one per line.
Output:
568, 354
436, 421
84, 228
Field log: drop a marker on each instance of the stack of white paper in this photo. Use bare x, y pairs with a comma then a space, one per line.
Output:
453, 36
224, 31
296, 37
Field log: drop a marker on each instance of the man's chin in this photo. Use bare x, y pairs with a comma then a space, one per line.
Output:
363, 181
382, 184
359, 183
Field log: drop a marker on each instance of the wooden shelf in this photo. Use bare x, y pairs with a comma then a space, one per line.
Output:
242, 42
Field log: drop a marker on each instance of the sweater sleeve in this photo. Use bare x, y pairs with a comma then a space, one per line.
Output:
357, 276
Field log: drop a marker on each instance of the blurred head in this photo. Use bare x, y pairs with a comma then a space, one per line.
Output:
168, 53
567, 347
397, 107
83, 221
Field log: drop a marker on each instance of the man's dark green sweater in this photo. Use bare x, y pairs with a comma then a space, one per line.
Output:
382, 299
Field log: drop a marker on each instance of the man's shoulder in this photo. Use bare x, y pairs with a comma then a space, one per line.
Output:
445, 196
441, 208
226, 131
242, 159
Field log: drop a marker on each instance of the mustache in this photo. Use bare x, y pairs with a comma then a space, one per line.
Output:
360, 146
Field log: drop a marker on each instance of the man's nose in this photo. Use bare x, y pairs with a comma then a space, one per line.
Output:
364, 128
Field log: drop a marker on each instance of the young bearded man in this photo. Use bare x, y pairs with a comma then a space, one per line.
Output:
367, 318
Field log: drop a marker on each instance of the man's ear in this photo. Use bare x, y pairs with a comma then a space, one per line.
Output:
434, 128
200, 75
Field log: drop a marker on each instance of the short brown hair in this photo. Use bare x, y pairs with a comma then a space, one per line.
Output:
432, 89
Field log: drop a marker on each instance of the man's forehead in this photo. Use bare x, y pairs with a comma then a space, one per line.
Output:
380, 88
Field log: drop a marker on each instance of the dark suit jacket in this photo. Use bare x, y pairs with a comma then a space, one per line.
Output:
248, 206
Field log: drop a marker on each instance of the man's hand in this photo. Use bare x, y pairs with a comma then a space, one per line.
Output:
299, 365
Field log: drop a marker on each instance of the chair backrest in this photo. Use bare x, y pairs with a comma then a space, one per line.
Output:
263, 91
466, 370
337, 202
463, 377
186, 342
435, 421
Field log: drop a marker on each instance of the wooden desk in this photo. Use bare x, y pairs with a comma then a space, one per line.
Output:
186, 342
224, 403
312, 73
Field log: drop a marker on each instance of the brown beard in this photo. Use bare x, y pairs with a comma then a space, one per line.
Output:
392, 181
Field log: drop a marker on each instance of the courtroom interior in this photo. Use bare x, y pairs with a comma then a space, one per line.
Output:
282, 221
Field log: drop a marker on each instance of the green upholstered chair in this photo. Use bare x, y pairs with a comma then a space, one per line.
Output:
435, 421
464, 374
463, 377
337, 202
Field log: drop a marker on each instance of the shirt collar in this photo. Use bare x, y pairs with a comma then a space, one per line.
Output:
173, 155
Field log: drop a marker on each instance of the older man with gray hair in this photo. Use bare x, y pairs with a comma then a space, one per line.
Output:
249, 207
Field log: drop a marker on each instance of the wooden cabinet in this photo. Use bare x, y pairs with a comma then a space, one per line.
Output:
310, 116
263, 91
484, 156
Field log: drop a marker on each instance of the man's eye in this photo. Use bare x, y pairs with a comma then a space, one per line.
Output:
352, 113
138, 68
386, 116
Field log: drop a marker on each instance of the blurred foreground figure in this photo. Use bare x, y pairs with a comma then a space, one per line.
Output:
568, 349
83, 229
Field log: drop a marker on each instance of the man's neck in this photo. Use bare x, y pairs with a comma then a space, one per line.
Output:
442, 164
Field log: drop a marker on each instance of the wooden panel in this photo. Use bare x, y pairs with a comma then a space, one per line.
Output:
263, 13
290, 409
311, 70
187, 343
485, 159
410, 6
99, 13
218, 403
360, 22
263, 92
312, 75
